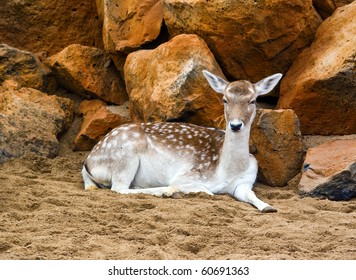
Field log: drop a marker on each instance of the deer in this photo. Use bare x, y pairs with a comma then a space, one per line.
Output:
169, 158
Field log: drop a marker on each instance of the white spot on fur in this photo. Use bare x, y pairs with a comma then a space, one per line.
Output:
124, 137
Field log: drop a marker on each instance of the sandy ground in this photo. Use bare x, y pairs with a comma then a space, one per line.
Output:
45, 214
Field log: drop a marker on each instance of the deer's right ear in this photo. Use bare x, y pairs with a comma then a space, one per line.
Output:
217, 83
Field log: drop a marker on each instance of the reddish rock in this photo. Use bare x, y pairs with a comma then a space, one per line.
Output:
325, 8
167, 83
89, 72
340, 3
24, 68
127, 25
98, 120
31, 121
49, 26
321, 86
276, 142
329, 171
250, 39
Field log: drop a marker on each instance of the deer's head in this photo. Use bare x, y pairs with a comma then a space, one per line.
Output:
239, 98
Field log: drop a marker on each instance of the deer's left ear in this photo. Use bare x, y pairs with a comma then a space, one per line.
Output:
267, 84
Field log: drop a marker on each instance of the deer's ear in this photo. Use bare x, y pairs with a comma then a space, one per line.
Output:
267, 84
217, 83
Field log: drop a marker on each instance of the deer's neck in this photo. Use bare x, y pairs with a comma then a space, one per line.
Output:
234, 157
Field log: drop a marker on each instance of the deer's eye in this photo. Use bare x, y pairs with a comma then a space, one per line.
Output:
225, 101
253, 101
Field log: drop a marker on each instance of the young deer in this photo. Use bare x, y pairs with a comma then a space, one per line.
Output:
164, 159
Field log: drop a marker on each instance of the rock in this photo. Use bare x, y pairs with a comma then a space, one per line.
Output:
31, 121
167, 83
321, 85
329, 171
24, 68
98, 120
340, 3
89, 72
127, 25
276, 142
250, 39
325, 8
49, 26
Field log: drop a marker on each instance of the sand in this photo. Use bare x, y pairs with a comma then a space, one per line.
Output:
46, 214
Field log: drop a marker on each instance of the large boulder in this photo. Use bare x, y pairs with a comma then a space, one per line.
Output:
329, 171
167, 83
31, 121
90, 72
98, 120
250, 39
321, 84
127, 25
24, 68
49, 26
276, 142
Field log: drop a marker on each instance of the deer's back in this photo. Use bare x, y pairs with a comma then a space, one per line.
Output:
163, 150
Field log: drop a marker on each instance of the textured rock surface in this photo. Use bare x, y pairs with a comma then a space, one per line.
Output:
24, 68
98, 120
250, 39
340, 3
325, 8
49, 26
129, 24
89, 72
167, 83
276, 142
321, 84
30, 122
329, 171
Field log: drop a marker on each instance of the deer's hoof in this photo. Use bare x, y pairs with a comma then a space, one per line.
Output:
172, 192
91, 188
269, 209
176, 195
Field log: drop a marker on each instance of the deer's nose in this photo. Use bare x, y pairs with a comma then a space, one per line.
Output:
235, 126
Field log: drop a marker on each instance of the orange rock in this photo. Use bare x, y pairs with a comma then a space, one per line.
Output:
167, 83
49, 26
276, 142
250, 39
98, 120
330, 171
320, 86
24, 68
31, 121
325, 8
89, 72
340, 3
127, 25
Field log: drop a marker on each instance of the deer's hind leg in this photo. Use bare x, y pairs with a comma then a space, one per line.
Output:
89, 184
122, 181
